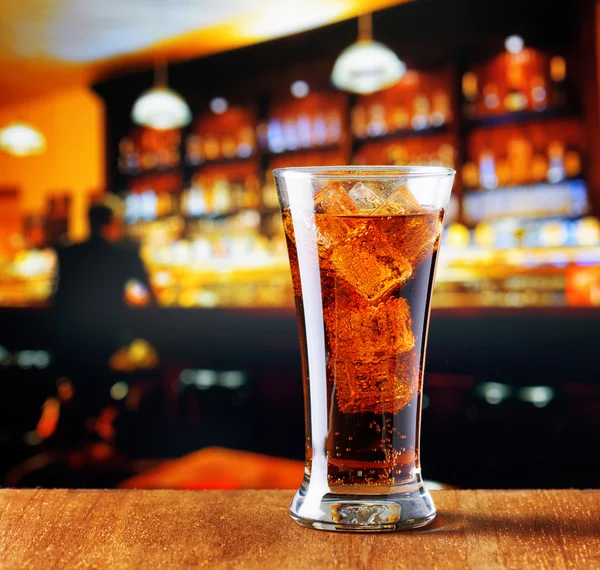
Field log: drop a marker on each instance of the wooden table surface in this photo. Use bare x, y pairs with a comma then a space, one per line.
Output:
251, 529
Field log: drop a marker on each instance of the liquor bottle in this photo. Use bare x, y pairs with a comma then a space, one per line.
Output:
319, 130
251, 192
420, 118
470, 175
440, 109
447, 155
539, 95
212, 150
519, 153
290, 135
556, 159
334, 127
149, 205
558, 74
132, 207
237, 196
504, 173
401, 118
269, 196
164, 204
275, 140
221, 196
194, 153
377, 120
148, 161
245, 146
539, 167
398, 155
515, 98
303, 130
228, 147
470, 91
491, 99
572, 163
359, 121
470, 88
487, 170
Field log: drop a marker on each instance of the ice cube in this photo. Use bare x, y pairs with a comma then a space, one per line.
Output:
382, 387
365, 332
332, 202
399, 202
334, 199
419, 238
368, 262
364, 198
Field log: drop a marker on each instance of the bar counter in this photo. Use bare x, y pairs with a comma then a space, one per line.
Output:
252, 529
521, 386
497, 342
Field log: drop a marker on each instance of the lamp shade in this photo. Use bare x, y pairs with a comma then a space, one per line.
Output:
21, 139
161, 108
367, 66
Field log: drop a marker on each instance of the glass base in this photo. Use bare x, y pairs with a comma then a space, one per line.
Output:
370, 510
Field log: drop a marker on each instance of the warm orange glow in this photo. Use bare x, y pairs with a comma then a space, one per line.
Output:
72, 122
49, 420
35, 70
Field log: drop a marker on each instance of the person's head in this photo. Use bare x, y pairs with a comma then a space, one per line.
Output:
106, 219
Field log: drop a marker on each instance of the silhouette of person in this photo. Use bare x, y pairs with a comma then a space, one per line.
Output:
89, 317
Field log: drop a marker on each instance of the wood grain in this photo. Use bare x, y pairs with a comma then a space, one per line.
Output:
251, 529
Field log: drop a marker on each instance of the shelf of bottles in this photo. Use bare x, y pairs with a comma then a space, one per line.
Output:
525, 209
420, 103
209, 236
409, 123
519, 214
202, 204
524, 142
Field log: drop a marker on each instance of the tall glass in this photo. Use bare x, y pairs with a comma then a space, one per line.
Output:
363, 243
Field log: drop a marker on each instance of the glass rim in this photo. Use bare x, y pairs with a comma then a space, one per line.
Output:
363, 172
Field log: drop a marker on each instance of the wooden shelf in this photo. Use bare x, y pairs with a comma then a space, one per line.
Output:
530, 185
303, 150
150, 171
404, 134
520, 117
221, 161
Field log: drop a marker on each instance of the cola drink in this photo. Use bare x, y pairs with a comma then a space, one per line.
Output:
363, 256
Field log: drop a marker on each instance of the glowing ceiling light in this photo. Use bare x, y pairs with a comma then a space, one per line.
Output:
299, 89
161, 108
367, 66
22, 139
514, 44
219, 105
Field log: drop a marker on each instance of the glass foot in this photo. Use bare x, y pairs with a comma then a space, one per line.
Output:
342, 511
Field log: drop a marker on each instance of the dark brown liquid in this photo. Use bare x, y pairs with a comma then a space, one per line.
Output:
376, 275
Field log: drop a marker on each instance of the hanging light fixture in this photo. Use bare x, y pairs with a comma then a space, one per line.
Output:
367, 66
22, 139
160, 107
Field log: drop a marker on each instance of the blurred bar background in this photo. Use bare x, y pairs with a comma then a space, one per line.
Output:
505, 92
